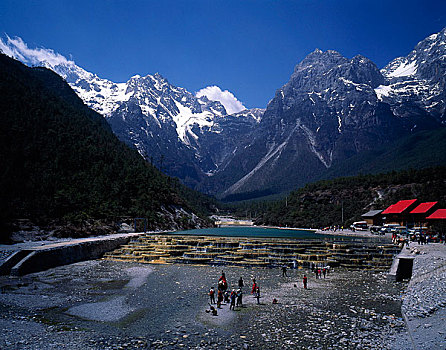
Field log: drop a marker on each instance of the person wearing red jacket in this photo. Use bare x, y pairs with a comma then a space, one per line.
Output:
254, 286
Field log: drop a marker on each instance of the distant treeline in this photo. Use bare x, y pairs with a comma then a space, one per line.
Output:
60, 160
342, 201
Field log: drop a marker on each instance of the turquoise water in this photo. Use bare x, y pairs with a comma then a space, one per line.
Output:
247, 231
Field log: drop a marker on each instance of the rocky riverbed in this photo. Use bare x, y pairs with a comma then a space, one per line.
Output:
424, 301
112, 305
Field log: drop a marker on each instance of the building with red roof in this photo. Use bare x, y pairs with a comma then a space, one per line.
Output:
399, 207
399, 213
423, 208
439, 214
421, 212
438, 222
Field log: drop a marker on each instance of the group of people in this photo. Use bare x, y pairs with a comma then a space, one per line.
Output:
334, 228
321, 271
233, 298
318, 270
404, 241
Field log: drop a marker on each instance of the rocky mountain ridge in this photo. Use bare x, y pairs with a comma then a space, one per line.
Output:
334, 108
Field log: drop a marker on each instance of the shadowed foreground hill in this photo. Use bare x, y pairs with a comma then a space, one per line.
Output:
321, 203
61, 161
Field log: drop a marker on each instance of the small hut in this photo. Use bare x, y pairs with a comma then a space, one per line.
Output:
373, 218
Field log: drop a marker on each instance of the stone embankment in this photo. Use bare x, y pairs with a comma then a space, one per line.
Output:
25, 258
424, 302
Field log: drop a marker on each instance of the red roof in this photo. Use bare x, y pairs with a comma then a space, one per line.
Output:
438, 214
399, 207
423, 208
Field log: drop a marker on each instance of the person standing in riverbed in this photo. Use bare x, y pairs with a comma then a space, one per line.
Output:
212, 295
305, 281
240, 283
257, 294
222, 283
226, 297
233, 297
254, 286
219, 298
284, 271
239, 297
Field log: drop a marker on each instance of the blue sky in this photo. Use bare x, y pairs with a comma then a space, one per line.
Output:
248, 47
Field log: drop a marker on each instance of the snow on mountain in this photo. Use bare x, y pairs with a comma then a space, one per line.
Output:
149, 92
187, 135
418, 79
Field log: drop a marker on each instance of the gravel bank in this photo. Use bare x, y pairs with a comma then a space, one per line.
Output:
110, 305
424, 301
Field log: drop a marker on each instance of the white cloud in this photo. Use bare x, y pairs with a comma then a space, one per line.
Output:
226, 98
18, 49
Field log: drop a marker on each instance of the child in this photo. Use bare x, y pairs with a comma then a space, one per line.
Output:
226, 295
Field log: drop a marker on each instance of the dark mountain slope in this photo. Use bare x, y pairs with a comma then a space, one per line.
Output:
61, 161
325, 203
421, 150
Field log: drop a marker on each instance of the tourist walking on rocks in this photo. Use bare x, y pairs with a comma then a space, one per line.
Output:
240, 283
212, 295
284, 271
233, 297
319, 272
305, 281
324, 271
316, 273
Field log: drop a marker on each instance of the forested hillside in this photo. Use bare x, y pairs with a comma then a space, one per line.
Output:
324, 203
61, 162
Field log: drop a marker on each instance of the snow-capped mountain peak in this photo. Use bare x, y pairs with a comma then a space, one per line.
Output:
418, 78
